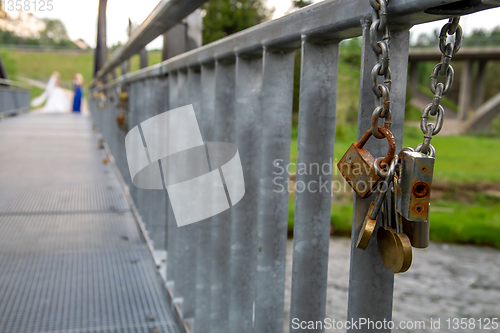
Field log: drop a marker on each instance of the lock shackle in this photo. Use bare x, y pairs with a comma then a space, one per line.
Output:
390, 139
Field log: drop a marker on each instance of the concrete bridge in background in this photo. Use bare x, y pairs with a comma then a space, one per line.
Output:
484, 111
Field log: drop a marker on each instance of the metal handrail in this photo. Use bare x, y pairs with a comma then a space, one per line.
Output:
332, 19
166, 14
11, 83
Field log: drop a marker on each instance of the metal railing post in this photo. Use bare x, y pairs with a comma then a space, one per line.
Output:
184, 36
272, 222
248, 124
186, 235
143, 57
101, 50
172, 254
153, 101
206, 121
370, 283
134, 106
225, 76
318, 94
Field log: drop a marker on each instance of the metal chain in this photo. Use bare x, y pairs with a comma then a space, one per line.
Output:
439, 89
381, 48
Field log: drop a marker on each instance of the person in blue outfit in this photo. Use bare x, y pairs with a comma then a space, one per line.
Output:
78, 88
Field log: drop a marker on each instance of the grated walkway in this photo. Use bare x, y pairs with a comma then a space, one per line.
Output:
71, 256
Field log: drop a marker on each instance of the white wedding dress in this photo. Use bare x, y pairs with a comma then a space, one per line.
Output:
54, 97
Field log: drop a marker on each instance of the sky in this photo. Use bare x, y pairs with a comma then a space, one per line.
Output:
80, 18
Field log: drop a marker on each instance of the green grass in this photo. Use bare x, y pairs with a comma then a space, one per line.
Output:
469, 223
43, 64
476, 222
462, 159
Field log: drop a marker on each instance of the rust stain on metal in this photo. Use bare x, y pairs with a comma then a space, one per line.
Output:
421, 189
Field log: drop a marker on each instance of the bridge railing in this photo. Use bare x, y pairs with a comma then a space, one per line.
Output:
14, 98
227, 273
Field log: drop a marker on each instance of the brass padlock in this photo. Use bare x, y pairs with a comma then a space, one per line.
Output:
413, 194
123, 100
393, 244
356, 166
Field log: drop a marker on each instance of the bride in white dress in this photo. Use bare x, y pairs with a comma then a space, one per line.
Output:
56, 100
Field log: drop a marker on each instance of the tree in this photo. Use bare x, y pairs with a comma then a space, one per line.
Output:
55, 31
225, 17
301, 3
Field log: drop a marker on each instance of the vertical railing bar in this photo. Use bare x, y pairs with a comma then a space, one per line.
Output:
206, 121
248, 125
367, 269
272, 223
186, 235
134, 107
154, 203
318, 90
171, 224
221, 226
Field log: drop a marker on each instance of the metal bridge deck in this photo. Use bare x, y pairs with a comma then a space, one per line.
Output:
71, 256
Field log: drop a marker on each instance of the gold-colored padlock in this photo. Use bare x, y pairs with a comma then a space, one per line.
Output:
356, 166
404, 254
393, 244
122, 99
367, 229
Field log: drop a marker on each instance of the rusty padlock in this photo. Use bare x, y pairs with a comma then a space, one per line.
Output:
122, 121
356, 166
413, 194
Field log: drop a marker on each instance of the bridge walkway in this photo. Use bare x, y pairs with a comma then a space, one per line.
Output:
72, 258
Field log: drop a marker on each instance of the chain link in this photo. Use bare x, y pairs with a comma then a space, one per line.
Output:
381, 47
439, 89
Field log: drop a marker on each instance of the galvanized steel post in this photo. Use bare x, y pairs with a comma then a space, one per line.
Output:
272, 222
153, 102
186, 236
221, 225
370, 283
172, 254
313, 200
203, 253
248, 124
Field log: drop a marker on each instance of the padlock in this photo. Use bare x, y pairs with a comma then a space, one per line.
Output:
418, 232
356, 166
393, 244
414, 190
370, 221
122, 121
413, 194
123, 100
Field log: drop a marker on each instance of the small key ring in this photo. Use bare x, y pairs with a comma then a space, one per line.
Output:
380, 171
